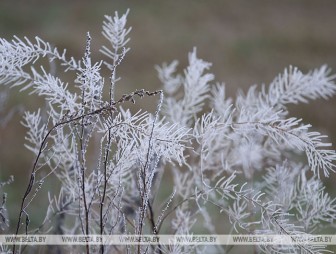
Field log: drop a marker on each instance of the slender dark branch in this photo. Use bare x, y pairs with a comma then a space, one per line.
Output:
158, 227
113, 80
102, 203
31, 181
87, 62
146, 190
152, 221
67, 120
116, 63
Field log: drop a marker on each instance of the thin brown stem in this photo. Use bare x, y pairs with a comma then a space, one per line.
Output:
102, 203
67, 120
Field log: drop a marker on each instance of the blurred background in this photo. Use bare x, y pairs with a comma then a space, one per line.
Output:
248, 42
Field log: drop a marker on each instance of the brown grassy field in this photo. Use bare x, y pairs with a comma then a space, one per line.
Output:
248, 42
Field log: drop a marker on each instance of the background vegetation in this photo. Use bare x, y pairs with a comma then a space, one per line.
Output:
248, 42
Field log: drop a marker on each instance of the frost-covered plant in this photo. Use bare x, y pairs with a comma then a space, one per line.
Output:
235, 156
243, 161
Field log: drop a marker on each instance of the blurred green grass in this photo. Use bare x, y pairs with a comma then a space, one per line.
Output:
248, 42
